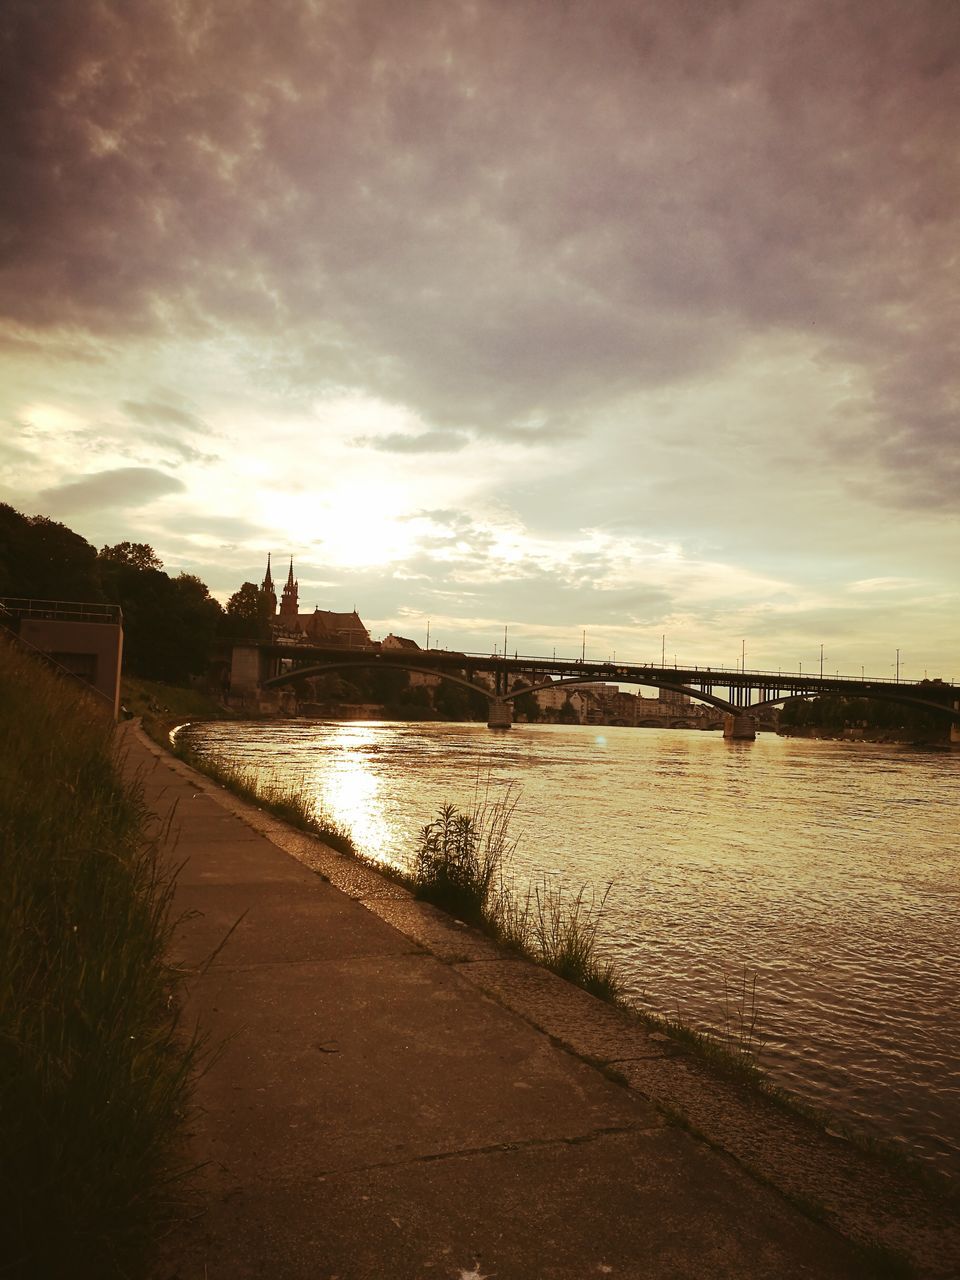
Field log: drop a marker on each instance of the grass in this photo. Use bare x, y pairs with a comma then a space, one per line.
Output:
161, 706
564, 932
293, 806
94, 1070
733, 1049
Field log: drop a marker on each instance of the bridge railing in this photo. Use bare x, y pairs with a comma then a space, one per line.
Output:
611, 669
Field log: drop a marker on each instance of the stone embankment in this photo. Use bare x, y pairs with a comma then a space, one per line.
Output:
395, 1096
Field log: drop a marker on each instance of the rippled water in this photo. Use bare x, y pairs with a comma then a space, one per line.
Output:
829, 870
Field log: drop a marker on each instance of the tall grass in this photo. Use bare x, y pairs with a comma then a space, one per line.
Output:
462, 864
94, 1074
733, 1047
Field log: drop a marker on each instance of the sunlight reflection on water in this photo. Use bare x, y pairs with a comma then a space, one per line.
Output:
829, 869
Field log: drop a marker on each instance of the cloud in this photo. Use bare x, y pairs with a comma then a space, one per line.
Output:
683, 274
426, 442
120, 487
408, 199
156, 413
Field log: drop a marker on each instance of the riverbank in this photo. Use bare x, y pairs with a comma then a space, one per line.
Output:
374, 1108
94, 1071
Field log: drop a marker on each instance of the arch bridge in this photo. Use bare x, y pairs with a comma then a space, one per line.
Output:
256, 668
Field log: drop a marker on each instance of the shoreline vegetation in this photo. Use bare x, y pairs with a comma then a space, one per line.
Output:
95, 1066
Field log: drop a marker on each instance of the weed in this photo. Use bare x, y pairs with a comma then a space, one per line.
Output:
564, 933
460, 858
741, 1020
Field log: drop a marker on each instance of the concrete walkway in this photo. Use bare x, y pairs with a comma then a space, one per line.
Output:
396, 1098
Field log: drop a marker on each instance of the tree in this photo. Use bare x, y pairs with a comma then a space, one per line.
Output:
198, 615
248, 614
169, 623
43, 560
138, 555
453, 702
568, 712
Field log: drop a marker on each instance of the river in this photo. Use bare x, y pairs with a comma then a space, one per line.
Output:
825, 871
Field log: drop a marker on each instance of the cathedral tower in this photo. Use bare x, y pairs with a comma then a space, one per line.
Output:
289, 608
267, 591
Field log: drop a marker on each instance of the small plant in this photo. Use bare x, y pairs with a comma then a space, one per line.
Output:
460, 858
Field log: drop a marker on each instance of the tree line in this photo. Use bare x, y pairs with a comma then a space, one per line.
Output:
170, 623
834, 715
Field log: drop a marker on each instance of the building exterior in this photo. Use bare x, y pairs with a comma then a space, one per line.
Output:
399, 642
82, 640
322, 626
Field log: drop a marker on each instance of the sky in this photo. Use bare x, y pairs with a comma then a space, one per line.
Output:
630, 327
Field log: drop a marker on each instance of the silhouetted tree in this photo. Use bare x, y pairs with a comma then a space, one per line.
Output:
169, 623
138, 555
248, 614
43, 560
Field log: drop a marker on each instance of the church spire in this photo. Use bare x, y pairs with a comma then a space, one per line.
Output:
289, 608
267, 589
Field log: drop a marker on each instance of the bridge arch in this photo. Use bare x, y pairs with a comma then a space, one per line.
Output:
573, 681
391, 664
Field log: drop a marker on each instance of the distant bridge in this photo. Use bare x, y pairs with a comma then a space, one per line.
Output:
255, 668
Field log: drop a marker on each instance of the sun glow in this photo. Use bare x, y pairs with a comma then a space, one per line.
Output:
347, 528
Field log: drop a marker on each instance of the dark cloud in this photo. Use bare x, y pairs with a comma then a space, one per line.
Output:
499, 214
117, 488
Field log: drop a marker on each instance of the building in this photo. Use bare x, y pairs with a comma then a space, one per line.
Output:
322, 626
84, 641
399, 642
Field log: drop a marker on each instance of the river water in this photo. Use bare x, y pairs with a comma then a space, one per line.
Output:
826, 871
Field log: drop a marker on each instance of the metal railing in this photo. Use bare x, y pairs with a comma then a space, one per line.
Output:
611, 669
59, 610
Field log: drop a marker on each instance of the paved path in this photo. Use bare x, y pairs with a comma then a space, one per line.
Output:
396, 1098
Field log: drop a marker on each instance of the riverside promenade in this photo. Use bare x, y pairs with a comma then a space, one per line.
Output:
395, 1097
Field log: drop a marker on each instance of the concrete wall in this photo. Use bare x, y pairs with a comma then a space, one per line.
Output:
91, 650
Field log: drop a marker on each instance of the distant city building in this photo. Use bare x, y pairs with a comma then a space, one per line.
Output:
398, 642
322, 625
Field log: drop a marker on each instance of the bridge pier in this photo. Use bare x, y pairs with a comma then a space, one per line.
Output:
248, 670
955, 728
740, 727
500, 713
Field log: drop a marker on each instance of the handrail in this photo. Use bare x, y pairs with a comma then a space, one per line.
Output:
59, 610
